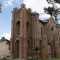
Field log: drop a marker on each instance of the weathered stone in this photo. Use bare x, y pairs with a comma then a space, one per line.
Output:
29, 32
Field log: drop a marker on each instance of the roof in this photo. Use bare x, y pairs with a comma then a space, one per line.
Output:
51, 18
43, 22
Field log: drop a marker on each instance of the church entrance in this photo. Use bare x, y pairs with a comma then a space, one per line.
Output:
28, 48
17, 49
49, 50
41, 48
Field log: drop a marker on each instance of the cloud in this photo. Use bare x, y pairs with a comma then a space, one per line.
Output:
37, 5
6, 35
7, 3
58, 5
44, 16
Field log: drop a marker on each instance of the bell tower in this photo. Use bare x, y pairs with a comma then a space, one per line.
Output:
19, 31
24, 33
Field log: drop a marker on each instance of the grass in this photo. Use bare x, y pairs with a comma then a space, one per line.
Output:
55, 59
38, 59
5, 58
44, 59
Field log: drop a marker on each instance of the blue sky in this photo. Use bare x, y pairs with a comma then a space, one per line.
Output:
6, 16
7, 7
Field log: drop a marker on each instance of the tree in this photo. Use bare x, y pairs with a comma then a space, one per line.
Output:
2, 39
53, 11
56, 1
0, 7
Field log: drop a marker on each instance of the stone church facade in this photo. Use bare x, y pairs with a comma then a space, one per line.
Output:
28, 32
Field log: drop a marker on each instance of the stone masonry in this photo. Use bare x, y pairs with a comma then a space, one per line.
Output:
28, 32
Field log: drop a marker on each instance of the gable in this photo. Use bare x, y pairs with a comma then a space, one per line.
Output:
51, 21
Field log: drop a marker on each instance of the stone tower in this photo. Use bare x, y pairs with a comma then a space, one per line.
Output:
22, 34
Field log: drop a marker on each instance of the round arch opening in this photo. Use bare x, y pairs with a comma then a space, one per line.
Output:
17, 49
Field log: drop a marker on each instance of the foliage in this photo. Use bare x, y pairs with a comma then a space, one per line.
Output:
36, 49
53, 11
5, 58
2, 39
56, 1
49, 10
0, 7
44, 58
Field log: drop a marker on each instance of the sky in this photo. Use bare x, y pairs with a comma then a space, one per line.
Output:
6, 15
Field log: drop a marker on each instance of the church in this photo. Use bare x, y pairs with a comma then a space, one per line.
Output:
29, 32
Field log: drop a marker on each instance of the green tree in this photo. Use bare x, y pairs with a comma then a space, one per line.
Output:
0, 7
2, 39
56, 1
53, 11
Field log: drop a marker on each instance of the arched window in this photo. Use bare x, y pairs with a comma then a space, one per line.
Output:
28, 43
18, 28
27, 26
41, 33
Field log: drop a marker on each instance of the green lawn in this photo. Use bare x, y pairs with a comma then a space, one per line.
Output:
38, 59
51, 59
44, 59
54, 59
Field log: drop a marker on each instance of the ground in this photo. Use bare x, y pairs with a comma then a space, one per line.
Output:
44, 59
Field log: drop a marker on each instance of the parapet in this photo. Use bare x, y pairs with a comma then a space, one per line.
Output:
35, 13
23, 6
29, 10
14, 9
